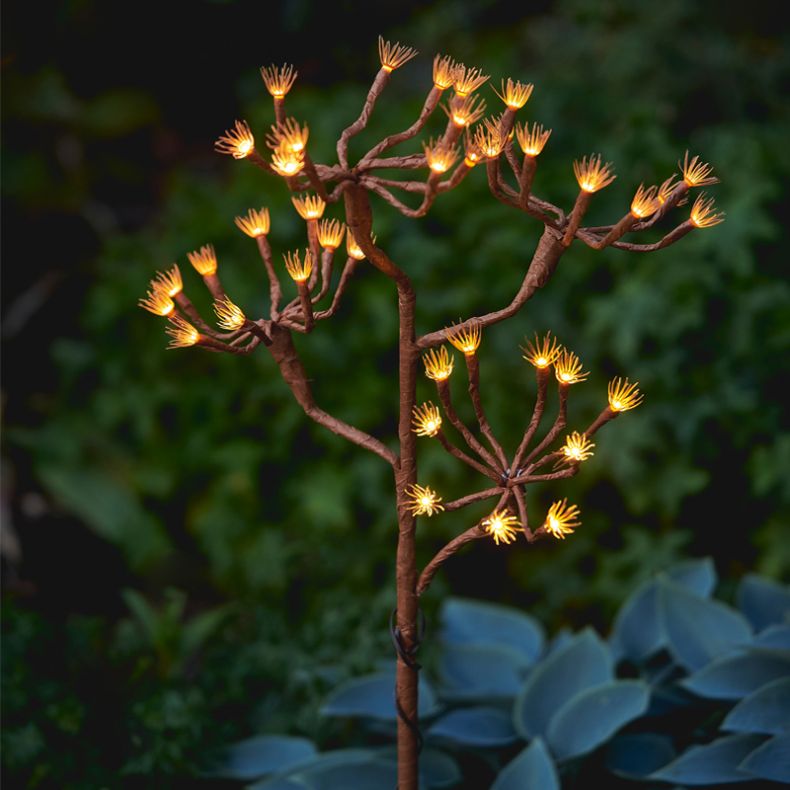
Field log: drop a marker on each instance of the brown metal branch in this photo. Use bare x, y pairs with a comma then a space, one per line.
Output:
467, 459
348, 271
379, 83
457, 504
559, 423
426, 577
542, 376
275, 290
473, 369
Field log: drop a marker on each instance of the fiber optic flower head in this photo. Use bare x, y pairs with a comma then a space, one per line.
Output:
443, 72
204, 260
238, 142
426, 420
352, 248
666, 189
309, 207
542, 353
393, 56
472, 153
568, 368
288, 135
255, 224
703, 214
299, 270
423, 501
278, 80
463, 112
182, 333
468, 80
623, 395
489, 140
514, 94
287, 162
591, 174
465, 338
532, 141
169, 281
229, 315
577, 448
645, 202
439, 155
438, 364
560, 520
697, 173
330, 233
157, 301
502, 526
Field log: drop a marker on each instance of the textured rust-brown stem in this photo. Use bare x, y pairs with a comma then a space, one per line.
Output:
345, 276
327, 258
579, 209
544, 263
379, 83
525, 181
359, 217
618, 230
457, 504
475, 533
443, 388
312, 175
315, 252
307, 305
255, 158
279, 110
473, 369
185, 305
559, 423
605, 416
215, 286
284, 353
462, 456
542, 376
275, 291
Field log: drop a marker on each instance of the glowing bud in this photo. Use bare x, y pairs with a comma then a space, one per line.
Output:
703, 214
182, 333
645, 202
392, 56
463, 112
443, 72
591, 174
502, 525
299, 270
438, 364
309, 207
426, 420
255, 224
468, 80
287, 162
623, 395
330, 233
157, 301
278, 80
204, 260
515, 94
697, 173
465, 338
532, 141
229, 315
238, 142
440, 156
577, 448
542, 353
568, 368
562, 519
423, 501
289, 136
169, 281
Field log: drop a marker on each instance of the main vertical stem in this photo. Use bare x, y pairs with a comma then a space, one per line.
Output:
406, 562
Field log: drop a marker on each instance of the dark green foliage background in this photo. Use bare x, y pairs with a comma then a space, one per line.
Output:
263, 546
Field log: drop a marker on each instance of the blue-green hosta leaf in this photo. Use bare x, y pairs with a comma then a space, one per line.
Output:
373, 696
763, 601
697, 576
437, 768
698, 629
531, 769
261, 755
594, 715
469, 622
775, 636
766, 710
735, 676
320, 763
279, 783
370, 774
713, 763
585, 662
483, 727
770, 761
635, 755
478, 672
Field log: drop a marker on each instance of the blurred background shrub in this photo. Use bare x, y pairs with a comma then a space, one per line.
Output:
202, 561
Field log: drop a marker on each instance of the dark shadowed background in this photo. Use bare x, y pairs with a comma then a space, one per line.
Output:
187, 560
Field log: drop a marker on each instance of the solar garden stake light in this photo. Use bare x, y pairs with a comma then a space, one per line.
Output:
498, 144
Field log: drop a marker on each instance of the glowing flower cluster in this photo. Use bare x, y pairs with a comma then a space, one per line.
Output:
532, 141
489, 140
591, 174
468, 80
515, 94
645, 202
169, 281
472, 152
542, 353
465, 338
623, 395
330, 233
229, 315
238, 142
463, 112
156, 301
299, 270
562, 519
577, 447
278, 81
255, 224
703, 214
392, 56
204, 260
568, 368
286, 162
502, 526
426, 420
443, 72
423, 501
440, 155
182, 333
309, 207
288, 135
697, 173
438, 364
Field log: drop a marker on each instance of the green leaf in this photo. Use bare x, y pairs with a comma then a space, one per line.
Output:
531, 769
594, 715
